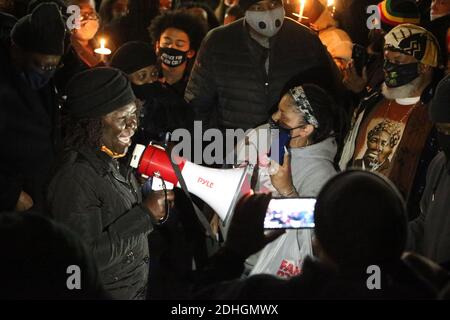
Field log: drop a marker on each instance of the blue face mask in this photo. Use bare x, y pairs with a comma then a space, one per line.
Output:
37, 79
280, 141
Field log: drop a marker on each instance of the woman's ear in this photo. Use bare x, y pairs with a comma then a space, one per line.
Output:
307, 130
276, 116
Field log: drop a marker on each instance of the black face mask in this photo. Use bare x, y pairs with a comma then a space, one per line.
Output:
397, 75
444, 143
37, 79
172, 57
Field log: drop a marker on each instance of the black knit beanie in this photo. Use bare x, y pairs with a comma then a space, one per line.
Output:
96, 92
133, 56
360, 220
42, 31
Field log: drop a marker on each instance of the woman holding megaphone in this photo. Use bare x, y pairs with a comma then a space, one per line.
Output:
93, 194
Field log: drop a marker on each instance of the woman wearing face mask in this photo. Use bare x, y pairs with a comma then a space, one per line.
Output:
162, 111
83, 43
302, 136
93, 194
177, 36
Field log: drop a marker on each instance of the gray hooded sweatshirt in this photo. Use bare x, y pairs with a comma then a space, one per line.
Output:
311, 168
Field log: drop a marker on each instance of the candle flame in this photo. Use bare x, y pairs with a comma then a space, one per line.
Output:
302, 9
102, 50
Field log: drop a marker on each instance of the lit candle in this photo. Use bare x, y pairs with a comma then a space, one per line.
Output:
102, 51
330, 3
302, 9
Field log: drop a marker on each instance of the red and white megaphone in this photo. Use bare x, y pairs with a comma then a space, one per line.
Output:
219, 188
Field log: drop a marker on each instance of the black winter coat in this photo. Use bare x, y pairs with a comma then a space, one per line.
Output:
93, 197
229, 82
30, 135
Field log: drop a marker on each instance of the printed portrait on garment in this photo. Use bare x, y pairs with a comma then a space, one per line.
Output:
381, 143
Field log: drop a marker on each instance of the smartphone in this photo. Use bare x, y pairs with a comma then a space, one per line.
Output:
359, 56
290, 213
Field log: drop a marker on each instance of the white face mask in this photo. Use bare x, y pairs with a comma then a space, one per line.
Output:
266, 23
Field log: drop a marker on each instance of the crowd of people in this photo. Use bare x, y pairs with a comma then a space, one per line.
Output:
358, 105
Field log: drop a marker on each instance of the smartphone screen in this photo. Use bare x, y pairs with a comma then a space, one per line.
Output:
290, 213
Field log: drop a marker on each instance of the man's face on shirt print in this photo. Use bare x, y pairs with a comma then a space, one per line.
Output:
378, 149
381, 142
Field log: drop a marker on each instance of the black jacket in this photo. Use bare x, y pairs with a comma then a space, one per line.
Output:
29, 127
94, 198
229, 83
163, 111
430, 232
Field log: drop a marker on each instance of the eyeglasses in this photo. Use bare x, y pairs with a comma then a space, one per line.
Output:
49, 68
89, 16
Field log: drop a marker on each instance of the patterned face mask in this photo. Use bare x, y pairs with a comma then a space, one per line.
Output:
397, 75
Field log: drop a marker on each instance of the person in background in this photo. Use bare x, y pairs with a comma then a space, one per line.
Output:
202, 11
162, 111
221, 9
337, 41
83, 42
111, 10
176, 36
440, 27
40, 258
29, 107
352, 16
132, 26
241, 68
429, 233
96, 196
232, 14
394, 136
366, 82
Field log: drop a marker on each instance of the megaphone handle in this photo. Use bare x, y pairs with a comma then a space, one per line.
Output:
201, 217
